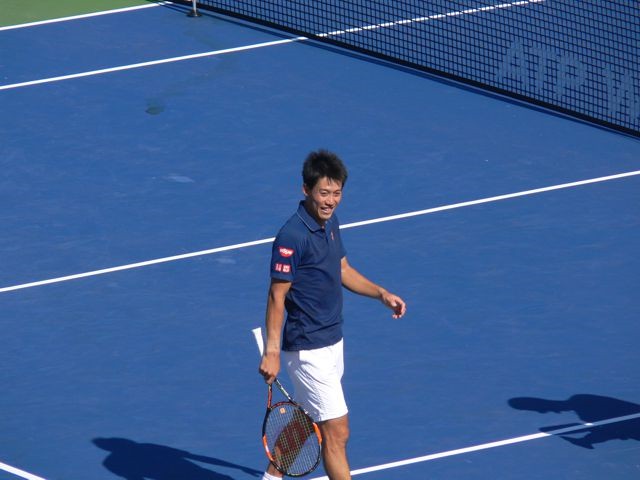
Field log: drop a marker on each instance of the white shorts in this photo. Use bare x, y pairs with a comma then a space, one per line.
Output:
316, 376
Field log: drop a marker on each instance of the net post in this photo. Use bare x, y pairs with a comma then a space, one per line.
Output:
194, 10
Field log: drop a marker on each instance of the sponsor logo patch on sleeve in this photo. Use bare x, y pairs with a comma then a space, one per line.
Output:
285, 252
282, 267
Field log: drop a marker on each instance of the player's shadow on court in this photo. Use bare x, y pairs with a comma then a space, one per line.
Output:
147, 461
589, 409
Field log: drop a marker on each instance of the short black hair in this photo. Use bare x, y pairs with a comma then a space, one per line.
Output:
323, 163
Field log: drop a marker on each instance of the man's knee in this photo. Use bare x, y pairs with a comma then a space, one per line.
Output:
335, 432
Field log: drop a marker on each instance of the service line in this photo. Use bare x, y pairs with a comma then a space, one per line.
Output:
362, 223
18, 472
486, 446
151, 63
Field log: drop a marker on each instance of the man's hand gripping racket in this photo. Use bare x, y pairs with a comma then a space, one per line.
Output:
291, 438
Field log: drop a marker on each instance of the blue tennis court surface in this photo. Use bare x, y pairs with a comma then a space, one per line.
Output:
522, 309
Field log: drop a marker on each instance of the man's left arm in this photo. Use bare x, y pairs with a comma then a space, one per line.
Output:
358, 283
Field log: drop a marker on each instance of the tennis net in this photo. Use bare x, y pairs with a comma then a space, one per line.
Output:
581, 58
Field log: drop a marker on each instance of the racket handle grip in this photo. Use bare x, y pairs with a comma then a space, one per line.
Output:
257, 333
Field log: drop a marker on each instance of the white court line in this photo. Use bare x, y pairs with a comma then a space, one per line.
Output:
85, 15
486, 446
148, 64
260, 45
345, 226
493, 199
18, 472
438, 16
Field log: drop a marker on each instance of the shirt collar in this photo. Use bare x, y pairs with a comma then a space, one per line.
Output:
307, 219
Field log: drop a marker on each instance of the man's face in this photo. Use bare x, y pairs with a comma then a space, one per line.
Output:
323, 199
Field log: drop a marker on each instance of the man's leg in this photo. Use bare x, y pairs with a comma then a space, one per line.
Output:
271, 473
335, 434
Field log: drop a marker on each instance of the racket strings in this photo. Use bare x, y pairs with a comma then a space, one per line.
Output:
291, 440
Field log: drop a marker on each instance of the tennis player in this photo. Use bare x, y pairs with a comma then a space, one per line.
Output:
309, 267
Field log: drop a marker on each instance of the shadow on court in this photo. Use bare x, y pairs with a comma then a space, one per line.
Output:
589, 409
147, 461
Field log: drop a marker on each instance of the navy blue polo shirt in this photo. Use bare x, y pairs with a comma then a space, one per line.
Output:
309, 256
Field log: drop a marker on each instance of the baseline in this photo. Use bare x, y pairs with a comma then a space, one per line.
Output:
82, 16
345, 226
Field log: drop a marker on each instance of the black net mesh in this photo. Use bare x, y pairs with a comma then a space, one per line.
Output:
577, 57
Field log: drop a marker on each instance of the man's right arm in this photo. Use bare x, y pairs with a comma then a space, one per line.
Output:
270, 364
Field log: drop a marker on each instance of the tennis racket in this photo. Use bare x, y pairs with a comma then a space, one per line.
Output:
291, 438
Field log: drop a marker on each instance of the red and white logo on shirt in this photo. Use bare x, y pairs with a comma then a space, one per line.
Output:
285, 252
282, 267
